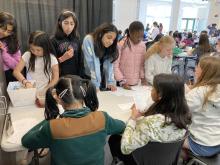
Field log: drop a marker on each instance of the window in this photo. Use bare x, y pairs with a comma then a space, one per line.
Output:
160, 14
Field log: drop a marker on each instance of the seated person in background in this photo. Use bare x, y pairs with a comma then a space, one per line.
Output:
157, 38
177, 37
203, 47
129, 67
204, 102
166, 120
159, 58
188, 41
78, 135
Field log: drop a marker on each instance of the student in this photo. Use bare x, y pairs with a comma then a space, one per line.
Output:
159, 58
204, 102
41, 65
9, 46
100, 51
188, 41
166, 120
177, 36
203, 47
67, 45
155, 30
78, 136
129, 67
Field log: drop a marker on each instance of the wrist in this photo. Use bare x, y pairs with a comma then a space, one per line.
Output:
60, 59
23, 81
133, 118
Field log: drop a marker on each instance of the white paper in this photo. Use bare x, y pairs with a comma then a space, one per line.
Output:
125, 106
20, 128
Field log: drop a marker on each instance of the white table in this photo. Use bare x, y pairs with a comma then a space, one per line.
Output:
116, 104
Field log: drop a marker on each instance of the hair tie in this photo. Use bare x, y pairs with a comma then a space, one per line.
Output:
63, 93
83, 91
69, 12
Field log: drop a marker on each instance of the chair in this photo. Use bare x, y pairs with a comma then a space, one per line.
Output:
200, 160
156, 153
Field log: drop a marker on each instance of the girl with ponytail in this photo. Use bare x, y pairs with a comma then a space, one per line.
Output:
80, 132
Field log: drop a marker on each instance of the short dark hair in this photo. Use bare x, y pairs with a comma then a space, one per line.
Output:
172, 103
76, 89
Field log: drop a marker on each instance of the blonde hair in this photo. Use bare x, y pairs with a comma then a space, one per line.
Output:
210, 76
156, 47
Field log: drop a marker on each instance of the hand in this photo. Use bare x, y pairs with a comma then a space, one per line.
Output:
126, 86
135, 113
28, 85
1, 45
112, 87
67, 55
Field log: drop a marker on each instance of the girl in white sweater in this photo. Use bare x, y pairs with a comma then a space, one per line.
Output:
159, 58
204, 103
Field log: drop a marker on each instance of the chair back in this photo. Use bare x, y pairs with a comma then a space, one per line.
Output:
156, 153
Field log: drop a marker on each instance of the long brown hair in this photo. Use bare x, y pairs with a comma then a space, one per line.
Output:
172, 103
156, 47
210, 75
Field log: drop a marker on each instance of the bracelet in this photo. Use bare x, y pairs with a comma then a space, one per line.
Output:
23, 80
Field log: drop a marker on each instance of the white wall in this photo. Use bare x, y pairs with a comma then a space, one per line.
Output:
126, 11
214, 9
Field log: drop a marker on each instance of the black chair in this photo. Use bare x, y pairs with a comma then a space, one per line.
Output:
200, 160
156, 153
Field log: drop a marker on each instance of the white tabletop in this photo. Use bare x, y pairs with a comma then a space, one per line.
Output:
116, 104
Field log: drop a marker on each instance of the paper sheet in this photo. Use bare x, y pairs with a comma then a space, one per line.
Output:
125, 106
20, 128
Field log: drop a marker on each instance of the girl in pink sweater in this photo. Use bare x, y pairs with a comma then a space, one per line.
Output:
9, 48
129, 67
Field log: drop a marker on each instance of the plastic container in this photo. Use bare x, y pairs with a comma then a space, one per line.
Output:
21, 96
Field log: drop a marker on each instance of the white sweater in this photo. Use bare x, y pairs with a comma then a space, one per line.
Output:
155, 65
205, 127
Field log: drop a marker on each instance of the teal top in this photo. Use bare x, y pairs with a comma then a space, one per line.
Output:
77, 138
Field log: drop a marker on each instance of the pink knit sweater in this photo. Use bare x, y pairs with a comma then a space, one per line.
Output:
130, 64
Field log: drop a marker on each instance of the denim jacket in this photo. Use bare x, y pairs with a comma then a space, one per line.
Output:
93, 63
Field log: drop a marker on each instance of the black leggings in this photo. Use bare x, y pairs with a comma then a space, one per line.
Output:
115, 147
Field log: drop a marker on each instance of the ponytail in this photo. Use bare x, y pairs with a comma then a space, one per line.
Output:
51, 108
91, 99
126, 41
